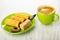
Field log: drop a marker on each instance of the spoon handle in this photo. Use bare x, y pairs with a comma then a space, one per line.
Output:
32, 17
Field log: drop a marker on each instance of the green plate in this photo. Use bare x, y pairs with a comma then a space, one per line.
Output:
7, 27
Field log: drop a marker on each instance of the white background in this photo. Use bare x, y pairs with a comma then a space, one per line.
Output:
40, 32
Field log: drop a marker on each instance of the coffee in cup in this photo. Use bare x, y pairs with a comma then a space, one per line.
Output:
45, 9
47, 14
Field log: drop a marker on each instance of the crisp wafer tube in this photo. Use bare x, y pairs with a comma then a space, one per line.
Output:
25, 24
12, 22
23, 16
17, 18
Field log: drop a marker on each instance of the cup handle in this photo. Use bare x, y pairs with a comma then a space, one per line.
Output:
56, 17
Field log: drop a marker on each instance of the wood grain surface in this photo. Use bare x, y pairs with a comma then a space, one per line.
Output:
40, 31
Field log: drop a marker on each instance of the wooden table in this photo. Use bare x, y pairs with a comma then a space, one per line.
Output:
40, 31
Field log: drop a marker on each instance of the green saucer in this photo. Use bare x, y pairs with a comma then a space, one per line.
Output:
7, 27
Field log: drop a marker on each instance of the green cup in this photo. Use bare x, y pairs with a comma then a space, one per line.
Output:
47, 18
